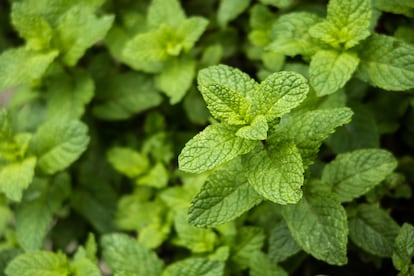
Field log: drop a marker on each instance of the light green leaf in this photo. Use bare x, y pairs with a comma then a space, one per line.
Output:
31, 27
121, 96
16, 177
191, 30
196, 239
215, 145
405, 7
125, 256
279, 93
373, 230
195, 266
404, 248
354, 173
176, 78
21, 66
69, 96
330, 70
225, 196
261, 265
167, 12
156, 177
38, 263
276, 173
225, 100
59, 143
146, 51
318, 223
346, 25
261, 21
387, 62
257, 130
249, 241
308, 129
77, 30
83, 267
290, 34
281, 243
127, 161
230, 9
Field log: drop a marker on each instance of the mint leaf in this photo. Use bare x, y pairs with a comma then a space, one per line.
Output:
123, 95
354, 173
168, 12
21, 66
38, 263
281, 243
176, 78
404, 248
215, 145
257, 130
373, 230
230, 9
290, 34
58, 143
276, 173
279, 93
77, 30
387, 62
195, 266
16, 177
261, 265
346, 25
225, 195
223, 89
248, 242
318, 223
32, 27
405, 7
196, 239
330, 70
156, 177
81, 267
308, 129
127, 161
191, 29
125, 256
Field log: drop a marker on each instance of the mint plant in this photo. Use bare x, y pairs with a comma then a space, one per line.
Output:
168, 137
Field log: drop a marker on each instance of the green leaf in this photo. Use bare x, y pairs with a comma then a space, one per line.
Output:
279, 93
405, 7
308, 129
248, 242
195, 266
354, 173
276, 172
404, 247
257, 130
373, 230
215, 145
346, 25
58, 143
123, 95
225, 196
21, 66
128, 161
125, 256
330, 70
261, 265
38, 263
16, 177
32, 27
176, 78
290, 34
77, 30
281, 243
191, 29
196, 239
167, 12
156, 177
318, 223
387, 62
83, 267
230, 9
224, 90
